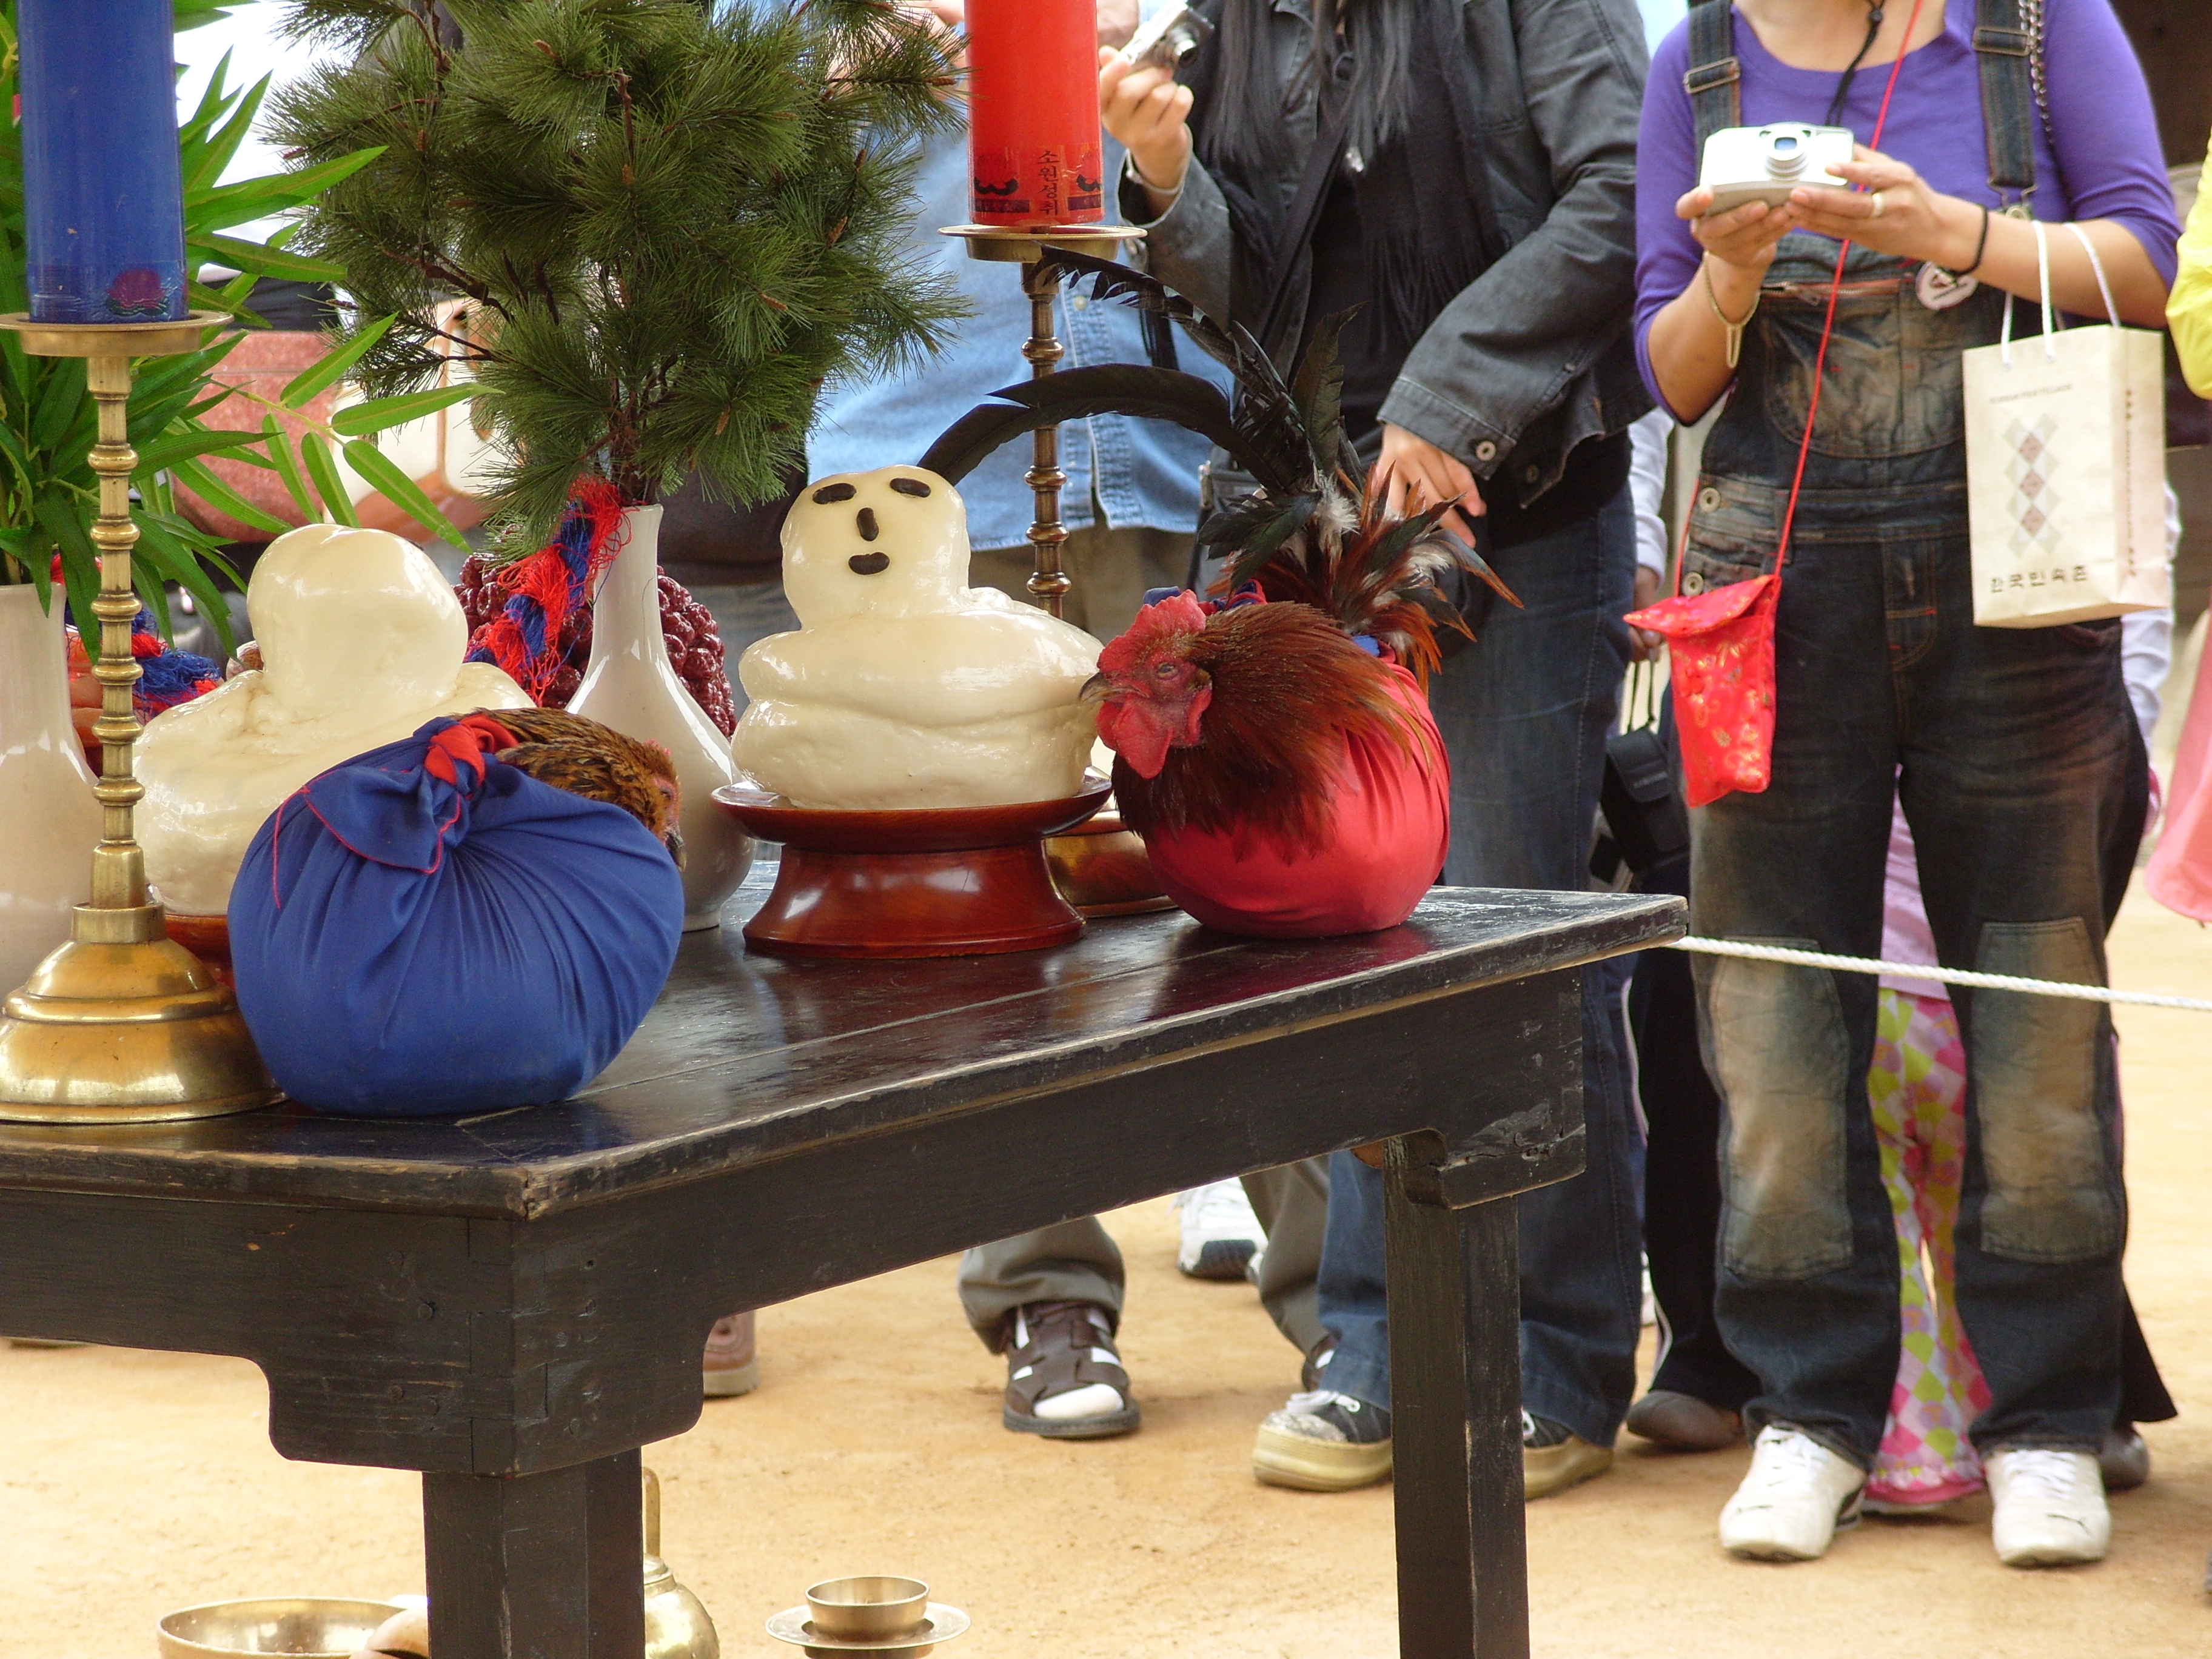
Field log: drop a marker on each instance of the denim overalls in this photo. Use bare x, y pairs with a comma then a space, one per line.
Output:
2013, 751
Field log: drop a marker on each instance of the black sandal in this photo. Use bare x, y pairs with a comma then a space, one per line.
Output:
1061, 1353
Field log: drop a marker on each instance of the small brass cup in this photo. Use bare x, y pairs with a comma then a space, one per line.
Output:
298, 1627
871, 1608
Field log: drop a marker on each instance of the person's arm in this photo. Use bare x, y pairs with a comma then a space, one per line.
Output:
1189, 242
1899, 214
1496, 357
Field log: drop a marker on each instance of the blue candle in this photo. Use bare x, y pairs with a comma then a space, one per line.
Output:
103, 192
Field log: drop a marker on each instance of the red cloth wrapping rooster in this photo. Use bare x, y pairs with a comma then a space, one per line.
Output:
1287, 783
1274, 750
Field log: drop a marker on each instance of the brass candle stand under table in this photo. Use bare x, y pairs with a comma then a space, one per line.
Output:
119, 1025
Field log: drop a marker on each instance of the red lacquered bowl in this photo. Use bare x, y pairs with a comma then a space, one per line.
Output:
1102, 868
207, 938
952, 881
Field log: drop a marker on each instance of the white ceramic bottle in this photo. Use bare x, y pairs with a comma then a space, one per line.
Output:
632, 686
49, 821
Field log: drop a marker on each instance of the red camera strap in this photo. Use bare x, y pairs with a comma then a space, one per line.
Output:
1835, 289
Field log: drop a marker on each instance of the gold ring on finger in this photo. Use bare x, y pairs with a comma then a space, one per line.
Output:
1879, 204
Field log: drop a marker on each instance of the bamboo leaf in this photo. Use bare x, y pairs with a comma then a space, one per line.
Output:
378, 413
219, 206
196, 477
166, 451
402, 491
178, 562
303, 387
260, 260
278, 444
222, 144
338, 505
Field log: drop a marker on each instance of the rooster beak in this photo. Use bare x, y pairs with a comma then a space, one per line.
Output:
1094, 689
674, 841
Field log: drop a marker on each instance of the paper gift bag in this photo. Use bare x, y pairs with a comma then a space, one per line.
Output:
2066, 470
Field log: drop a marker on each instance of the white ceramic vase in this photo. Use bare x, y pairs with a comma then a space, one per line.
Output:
49, 821
631, 685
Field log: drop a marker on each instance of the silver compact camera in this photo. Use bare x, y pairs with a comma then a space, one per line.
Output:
1166, 38
1765, 164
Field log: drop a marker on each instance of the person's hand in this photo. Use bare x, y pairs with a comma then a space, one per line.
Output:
1117, 21
1896, 213
1413, 475
1148, 112
1642, 641
1742, 239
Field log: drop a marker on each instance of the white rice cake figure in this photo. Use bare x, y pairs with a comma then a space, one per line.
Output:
904, 687
361, 641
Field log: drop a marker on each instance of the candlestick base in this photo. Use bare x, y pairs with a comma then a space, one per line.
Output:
122, 1026
1010, 245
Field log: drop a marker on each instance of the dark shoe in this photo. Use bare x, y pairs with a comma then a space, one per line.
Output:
732, 1365
1323, 1441
1553, 1458
1683, 1423
2123, 1460
1065, 1380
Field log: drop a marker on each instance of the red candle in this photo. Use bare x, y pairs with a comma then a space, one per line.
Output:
1033, 113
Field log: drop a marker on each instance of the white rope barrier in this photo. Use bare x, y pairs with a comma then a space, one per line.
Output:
1729, 947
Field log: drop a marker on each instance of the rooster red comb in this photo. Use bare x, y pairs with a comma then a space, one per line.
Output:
1180, 612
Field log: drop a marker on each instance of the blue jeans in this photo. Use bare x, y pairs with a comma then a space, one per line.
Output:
2011, 750
1524, 714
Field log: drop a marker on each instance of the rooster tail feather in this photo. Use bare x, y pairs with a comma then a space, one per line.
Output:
1318, 391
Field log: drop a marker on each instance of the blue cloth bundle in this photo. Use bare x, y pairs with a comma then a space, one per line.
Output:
425, 929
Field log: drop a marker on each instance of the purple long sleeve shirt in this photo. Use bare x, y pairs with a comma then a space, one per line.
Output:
2107, 164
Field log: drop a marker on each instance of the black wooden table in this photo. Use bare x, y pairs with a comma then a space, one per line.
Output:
513, 1304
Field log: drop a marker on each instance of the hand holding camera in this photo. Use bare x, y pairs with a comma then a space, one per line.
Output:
1758, 183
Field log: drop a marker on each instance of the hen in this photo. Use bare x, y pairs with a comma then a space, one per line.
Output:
598, 763
1274, 748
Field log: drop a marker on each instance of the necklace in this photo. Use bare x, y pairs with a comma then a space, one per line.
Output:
1843, 85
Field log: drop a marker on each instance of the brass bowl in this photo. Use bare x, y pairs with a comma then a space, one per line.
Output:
1102, 868
296, 1626
868, 1608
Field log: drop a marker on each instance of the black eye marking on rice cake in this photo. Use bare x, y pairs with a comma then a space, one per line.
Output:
830, 494
914, 487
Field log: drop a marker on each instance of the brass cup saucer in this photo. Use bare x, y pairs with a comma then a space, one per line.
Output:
940, 1624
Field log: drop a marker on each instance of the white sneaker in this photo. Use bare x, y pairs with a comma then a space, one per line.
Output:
2049, 1507
1220, 1234
1795, 1496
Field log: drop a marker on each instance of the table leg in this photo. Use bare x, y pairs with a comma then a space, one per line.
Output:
1455, 1422
537, 1567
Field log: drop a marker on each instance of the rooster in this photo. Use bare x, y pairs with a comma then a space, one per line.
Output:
598, 762
1275, 748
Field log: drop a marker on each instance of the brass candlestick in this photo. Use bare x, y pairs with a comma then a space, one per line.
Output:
1048, 582
119, 1025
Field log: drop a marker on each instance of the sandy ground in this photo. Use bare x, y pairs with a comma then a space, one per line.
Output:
133, 1483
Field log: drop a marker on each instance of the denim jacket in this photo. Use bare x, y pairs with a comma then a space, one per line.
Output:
1533, 357
1142, 473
